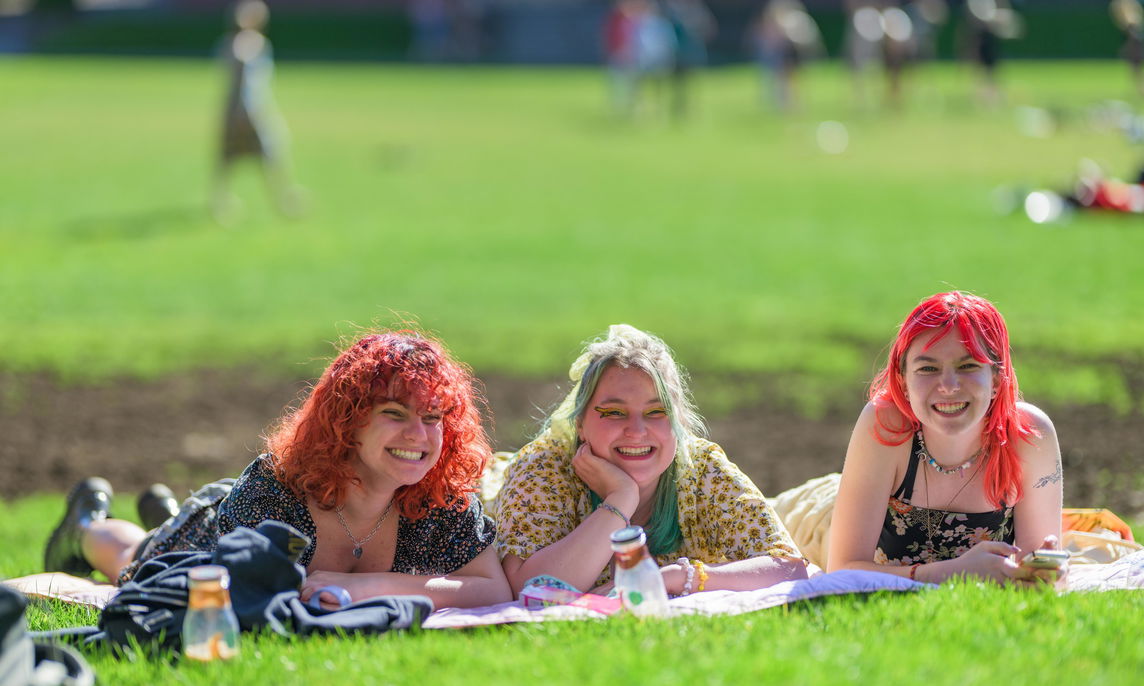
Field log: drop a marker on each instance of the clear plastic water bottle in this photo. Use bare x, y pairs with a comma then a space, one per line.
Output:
210, 628
638, 579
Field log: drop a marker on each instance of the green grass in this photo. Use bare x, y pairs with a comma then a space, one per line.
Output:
504, 209
960, 634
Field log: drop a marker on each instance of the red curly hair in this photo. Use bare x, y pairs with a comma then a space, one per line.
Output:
314, 446
981, 329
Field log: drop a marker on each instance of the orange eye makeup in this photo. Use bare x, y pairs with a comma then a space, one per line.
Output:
610, 412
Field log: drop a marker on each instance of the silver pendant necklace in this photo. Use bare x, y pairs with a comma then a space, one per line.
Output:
359, 543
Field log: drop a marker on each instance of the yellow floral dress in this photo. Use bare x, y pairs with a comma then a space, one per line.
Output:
722, 514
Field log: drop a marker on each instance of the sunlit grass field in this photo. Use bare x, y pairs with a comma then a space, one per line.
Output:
959, 634
509, 211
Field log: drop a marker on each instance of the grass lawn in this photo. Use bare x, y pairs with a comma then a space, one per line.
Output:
506, 210
959, 634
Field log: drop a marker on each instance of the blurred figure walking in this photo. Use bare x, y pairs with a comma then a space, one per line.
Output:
862, 44
640, 45
899, 49
252, 126
694, 27
986, 23
782, 37
880, 32
1129, 18
927, 17
619, 51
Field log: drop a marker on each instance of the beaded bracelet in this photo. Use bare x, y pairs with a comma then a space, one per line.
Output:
689, 574
701, 570
616, 511
914, 571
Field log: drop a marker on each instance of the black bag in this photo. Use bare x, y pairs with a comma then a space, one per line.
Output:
24, 661
149, 609
264, 581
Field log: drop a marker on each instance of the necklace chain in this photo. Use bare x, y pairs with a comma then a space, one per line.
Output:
928, 459
359, 543
925, 479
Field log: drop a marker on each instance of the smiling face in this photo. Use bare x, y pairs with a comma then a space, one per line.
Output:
398, 446
949, 391
627, 424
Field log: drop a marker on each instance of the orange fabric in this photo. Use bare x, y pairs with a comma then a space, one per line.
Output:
1091, 519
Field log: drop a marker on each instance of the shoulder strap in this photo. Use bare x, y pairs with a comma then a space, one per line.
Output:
906, 488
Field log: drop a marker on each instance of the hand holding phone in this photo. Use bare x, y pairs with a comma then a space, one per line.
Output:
1045, 558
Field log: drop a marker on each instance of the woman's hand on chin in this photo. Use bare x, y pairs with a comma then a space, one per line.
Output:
605, 478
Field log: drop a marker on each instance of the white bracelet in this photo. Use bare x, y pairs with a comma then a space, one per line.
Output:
689, 574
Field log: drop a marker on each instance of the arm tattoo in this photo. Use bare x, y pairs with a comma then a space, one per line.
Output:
1053, 478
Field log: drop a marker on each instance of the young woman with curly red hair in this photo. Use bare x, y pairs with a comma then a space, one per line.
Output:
378, 468
948, 472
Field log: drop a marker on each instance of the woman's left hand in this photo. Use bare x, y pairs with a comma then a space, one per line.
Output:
353, 583
1029, 576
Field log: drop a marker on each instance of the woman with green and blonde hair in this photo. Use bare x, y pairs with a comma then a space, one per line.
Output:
626, 447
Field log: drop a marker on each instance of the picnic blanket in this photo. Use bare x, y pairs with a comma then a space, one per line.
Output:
705, 603
1124, 574
87, 592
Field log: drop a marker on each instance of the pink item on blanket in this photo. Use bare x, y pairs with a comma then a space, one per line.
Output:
537, 597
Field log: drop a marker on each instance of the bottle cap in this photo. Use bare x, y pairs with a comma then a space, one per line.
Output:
209, 574
628, 535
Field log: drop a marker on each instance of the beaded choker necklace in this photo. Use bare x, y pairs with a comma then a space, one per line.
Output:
928, 459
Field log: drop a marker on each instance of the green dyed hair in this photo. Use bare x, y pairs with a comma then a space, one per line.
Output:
628, 347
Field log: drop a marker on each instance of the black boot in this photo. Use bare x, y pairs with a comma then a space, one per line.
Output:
89, 501
156, 505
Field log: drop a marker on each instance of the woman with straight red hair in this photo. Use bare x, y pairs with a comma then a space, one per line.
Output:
378, 468
948, 472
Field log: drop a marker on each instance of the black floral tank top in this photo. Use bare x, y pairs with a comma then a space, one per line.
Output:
912, 534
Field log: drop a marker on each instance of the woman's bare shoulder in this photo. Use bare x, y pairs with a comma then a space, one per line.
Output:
1040, 421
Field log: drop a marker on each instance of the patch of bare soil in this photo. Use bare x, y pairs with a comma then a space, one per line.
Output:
192, 428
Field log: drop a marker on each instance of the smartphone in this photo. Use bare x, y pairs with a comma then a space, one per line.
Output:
1045, 559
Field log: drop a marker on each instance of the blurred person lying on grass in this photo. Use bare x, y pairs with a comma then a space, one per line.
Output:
624, 447
948, 472
378, 467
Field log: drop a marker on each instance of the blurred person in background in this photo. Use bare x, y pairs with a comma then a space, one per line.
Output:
378, 469
880, 32
640, 46
782, 37
252, 125
948, 471
1129, 18
927, 17
899, 46
985, 23
862, 44
429, 20
694, 28
619, 52
624, 447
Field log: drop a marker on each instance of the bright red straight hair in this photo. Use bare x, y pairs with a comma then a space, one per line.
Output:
314, 446
981, 329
